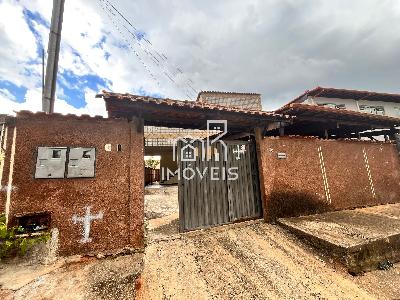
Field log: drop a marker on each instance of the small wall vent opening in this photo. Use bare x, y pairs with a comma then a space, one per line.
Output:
34, 222
119, 147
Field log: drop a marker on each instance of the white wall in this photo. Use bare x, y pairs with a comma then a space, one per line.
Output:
388, 106
351, 104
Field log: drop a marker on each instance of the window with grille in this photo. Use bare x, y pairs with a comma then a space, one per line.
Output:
333, 105
373, 109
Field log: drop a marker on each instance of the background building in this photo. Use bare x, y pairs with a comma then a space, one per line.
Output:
363, 101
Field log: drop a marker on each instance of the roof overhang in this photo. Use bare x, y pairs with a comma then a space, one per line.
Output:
185, 114
313, 119
347, 94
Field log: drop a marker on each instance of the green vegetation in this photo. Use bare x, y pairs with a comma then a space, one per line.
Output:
151, 163
13, 244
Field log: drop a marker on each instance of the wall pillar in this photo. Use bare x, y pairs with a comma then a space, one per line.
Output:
136, 183
258, 132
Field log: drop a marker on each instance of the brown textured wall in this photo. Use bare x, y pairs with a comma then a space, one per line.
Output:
296, 186
116, 190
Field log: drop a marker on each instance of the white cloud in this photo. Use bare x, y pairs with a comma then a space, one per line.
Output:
18, 46
276, 47
11, 26
22, 48
33, 102
6, 94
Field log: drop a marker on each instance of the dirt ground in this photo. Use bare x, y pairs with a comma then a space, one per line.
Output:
160, 201
72, 278
161, 212
250, 260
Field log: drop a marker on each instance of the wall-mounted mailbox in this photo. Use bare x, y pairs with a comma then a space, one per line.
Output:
81, 162
51, 162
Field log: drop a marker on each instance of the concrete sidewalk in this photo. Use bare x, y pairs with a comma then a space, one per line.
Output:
363, 239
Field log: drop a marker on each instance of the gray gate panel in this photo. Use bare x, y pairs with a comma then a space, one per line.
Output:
204, 202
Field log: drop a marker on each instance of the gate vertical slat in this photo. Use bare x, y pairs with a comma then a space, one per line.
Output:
217, 185
252, 210
244, 193
222, 203
181, 191
205, 183
256, 182
189, 201
211, 187
192, 204
238, 191
248, 182
231, 193
220, 188
202, 187
198, 192
241, 189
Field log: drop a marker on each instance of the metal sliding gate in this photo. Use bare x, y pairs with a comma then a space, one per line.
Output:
217, 184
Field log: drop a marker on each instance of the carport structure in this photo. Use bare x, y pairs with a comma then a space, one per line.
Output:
313, 120
248, 128
206, 201
186, 114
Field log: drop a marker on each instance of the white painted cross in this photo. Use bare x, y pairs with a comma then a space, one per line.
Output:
86, 221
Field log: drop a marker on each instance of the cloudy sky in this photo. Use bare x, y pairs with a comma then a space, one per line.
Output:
175, 48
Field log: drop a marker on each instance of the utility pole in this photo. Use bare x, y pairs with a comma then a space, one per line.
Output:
52, 56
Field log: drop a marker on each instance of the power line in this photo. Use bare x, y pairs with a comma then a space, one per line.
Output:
163, 68
148, 49
157, 59
134, 51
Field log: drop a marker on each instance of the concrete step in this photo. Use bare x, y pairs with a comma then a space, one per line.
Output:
362, 239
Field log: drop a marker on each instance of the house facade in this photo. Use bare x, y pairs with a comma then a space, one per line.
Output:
83, 177
383, 104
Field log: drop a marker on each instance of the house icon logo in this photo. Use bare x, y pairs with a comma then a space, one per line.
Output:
189, 151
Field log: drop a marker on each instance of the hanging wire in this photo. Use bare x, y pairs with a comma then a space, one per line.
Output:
143, 45
130, 46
